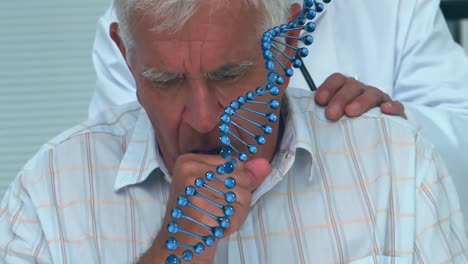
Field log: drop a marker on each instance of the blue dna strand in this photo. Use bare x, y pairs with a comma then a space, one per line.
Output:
273, 48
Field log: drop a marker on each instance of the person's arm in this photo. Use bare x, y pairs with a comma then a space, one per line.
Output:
114, 82
439, 229
432, 82
21, 237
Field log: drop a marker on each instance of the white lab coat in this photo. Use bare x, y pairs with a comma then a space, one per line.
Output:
402, 47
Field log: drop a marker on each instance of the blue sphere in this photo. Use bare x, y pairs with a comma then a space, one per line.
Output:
296, 63
224, 222
199, 248
252, 149
243, 156
177, 213
224, 128
274, 104
272, 77
199, 182
190, 190
187, 255
272, 117
277, 29
301, 21
274, 90
182, 200
233, 162
230, 197
209, 240
171, 243
303, 52
229, 111
173, 227
172, 259
225, 153
310, 14
307, 39
235, 105
319, 7
308, 3
220, 169
310, 27
241, 100
224, 139
266, 46
226, 118
218, 232
228, 167
230, 183
284, 28
269, 65
209, 175
260, 91
228, 210
268, 55
261, 140
279, 80
267, 129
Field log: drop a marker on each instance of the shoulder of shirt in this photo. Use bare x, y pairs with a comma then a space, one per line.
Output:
306, 102
400, 131
116, 122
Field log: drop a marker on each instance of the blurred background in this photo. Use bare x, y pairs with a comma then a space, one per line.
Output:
46, 73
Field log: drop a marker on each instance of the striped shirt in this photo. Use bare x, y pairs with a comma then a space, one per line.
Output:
361, 190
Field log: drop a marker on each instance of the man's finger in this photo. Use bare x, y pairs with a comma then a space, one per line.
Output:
372, 97
257, 170
329, 87
336, 106
393, 108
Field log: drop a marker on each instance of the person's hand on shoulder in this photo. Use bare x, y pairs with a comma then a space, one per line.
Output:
344, 95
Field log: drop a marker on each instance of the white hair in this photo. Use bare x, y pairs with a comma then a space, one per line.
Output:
180, 11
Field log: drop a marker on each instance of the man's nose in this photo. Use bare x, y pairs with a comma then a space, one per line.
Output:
202, 108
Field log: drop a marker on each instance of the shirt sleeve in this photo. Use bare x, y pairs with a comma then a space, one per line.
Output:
115, 84
440, 235
21, 237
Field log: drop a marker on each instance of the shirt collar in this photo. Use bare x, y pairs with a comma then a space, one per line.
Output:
297, 143
141, 156
298, 132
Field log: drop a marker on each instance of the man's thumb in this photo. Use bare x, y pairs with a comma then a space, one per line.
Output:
258, 170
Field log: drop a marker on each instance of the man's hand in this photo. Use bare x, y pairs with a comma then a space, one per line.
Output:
187, 169
346, 95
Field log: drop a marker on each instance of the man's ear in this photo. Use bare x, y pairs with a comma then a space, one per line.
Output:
115, 36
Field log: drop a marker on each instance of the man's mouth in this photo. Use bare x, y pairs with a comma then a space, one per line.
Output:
213, 151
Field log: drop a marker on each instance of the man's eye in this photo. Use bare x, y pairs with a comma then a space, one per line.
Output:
165, 84
230, 77
227, 77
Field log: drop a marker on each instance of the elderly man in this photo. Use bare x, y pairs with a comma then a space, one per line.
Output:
408, 54
363, 190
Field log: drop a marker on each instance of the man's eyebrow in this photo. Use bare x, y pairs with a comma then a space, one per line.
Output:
230, 70
156, 75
